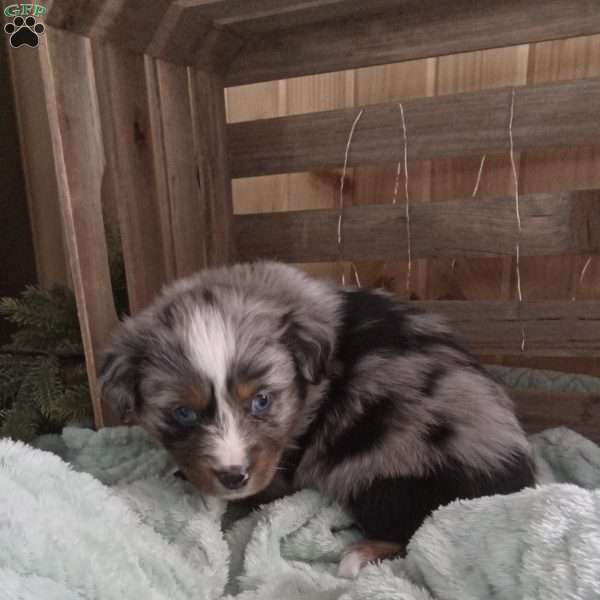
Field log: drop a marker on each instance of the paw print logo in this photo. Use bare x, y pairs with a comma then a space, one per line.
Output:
24, 32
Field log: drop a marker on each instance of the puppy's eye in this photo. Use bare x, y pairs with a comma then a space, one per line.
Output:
261, 403
185, 416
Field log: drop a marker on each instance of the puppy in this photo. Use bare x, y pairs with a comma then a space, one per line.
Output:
256, 378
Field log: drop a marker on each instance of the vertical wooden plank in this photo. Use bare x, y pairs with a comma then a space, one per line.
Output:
129, 93
171, 116
161, 186
73, 114
38, 166
212, 166
555, 170
15, 231
377, 184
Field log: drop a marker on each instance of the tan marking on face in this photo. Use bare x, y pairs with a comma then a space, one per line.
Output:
263, 461
201, 477
195, 398
246, 390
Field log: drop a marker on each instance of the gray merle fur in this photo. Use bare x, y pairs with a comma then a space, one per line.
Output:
375, 403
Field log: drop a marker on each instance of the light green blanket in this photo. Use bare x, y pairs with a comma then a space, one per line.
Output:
118, 525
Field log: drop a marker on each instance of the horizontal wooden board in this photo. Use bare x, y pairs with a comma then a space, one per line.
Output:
407, 30
555, 114
263, 16
133, 23
552, 224
538, 410
162, 28
273, 39
551, 328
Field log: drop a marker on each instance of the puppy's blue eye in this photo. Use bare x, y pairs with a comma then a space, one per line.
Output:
185, 416
260, 403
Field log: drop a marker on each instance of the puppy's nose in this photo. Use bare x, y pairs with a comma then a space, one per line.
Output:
233, 478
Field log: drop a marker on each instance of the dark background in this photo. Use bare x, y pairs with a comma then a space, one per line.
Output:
17, 264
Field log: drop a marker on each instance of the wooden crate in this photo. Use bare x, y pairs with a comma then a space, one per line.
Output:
135, 99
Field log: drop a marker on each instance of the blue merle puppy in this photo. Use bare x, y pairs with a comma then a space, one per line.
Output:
259, 379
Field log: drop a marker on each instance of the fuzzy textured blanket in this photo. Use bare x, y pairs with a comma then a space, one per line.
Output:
115, 524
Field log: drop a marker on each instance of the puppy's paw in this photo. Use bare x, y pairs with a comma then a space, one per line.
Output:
351, 564
356, 556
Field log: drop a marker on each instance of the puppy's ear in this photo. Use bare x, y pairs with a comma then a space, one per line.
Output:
119, 380
310, 342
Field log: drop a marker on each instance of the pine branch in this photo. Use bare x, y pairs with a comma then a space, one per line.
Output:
43, 379
29, 338
21, 422
75, 404
45, 387
48, 312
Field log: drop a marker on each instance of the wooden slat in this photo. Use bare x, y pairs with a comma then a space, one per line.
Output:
539, 410
262, 16
171, 124
161, 28
186, 37
556, 224
111, 186
38, 165
133, 23
71, 99
412, 29
551, 328
555, 114
212, 165
147, 248
238, 11
290, 38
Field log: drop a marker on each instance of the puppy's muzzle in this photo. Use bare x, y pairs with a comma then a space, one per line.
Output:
233, 478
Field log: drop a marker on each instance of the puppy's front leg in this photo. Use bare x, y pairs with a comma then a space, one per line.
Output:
388, 513
358, 555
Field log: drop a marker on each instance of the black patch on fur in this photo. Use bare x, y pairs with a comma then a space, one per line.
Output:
209, 414
287, 319
314, 352
364, 435
432, 378
393, 509
134, 373
246, 372
370, 323
167, 315
290, 460
439, 433
127, 376
208, 297
289, 341
375, 323
172, 433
